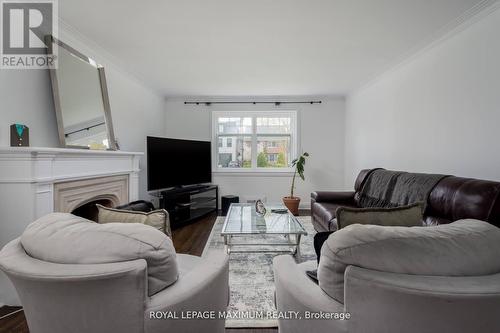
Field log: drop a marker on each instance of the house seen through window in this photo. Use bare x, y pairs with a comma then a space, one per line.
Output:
254, 140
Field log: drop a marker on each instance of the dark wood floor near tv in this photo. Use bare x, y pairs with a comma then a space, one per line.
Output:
189, 239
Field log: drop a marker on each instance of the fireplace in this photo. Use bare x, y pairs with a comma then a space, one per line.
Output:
89, 210
37, 181
81, 196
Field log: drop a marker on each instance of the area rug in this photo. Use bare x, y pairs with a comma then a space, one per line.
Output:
251, 278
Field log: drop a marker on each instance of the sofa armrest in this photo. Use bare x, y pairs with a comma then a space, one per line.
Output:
295, 291
298, 293
337, 197
214, 270
205, 288
15, 262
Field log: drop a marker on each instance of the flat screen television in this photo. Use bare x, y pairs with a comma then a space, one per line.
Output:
174, 162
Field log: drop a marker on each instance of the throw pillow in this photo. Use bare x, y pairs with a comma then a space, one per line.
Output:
403, 216
157, 219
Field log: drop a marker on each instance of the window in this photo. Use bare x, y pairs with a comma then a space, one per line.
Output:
254, 141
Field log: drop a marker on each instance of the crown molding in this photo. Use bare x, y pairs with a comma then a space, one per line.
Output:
473, 15
102, 55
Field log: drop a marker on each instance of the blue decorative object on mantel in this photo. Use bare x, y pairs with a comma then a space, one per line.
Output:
19, 135
20, 129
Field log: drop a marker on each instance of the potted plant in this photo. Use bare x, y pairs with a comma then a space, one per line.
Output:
292, 202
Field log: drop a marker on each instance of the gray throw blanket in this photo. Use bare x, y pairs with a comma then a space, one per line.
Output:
385, 188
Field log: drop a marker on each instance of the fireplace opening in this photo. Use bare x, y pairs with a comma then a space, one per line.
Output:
89, 210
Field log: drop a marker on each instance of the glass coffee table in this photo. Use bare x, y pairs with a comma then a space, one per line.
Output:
245, 231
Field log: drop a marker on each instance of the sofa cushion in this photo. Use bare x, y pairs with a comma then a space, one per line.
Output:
157, 219
403, 216
463, 248
68, 239
324, 215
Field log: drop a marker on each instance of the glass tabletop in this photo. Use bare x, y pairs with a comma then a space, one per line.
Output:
242, 219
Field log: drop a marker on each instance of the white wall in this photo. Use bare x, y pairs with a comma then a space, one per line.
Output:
321, 133
439, 112
26, 97
137, 110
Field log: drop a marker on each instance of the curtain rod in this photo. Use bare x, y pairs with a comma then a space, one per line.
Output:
235, 102
84, 129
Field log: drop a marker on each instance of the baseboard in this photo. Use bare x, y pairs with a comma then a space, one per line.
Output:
304, 211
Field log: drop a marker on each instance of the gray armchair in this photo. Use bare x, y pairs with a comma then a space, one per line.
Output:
371, 272
113, 297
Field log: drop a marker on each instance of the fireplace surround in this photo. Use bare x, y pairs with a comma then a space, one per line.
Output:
77, 196
37, 181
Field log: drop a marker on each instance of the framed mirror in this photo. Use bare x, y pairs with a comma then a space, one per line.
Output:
81, 100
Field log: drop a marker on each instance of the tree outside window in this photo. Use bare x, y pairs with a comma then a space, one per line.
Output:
255, 140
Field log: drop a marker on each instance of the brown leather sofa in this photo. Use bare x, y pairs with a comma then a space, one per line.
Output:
452, 198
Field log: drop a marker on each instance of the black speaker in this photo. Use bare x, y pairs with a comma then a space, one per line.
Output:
227, 200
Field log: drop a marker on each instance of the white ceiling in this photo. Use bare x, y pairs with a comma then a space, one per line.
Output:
260, 47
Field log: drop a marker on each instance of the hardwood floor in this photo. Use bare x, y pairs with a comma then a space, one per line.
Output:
14, 322
189, 239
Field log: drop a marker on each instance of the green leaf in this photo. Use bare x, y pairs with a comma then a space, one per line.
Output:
299, 163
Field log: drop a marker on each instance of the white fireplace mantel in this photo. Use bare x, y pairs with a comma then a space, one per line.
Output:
42, 165
38, 169
30, 175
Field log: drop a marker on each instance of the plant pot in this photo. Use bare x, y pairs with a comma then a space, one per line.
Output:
292, 203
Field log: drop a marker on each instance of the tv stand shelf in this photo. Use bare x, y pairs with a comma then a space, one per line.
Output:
190, 203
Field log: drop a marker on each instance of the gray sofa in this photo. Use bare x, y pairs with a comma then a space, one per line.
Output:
397, 279
128, 281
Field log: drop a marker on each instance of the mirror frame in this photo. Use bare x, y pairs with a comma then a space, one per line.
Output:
51, 40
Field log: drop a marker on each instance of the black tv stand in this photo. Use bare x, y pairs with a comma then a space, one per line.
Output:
187, 204
188, 187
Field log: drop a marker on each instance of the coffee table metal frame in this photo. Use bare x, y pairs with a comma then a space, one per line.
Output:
291, 237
